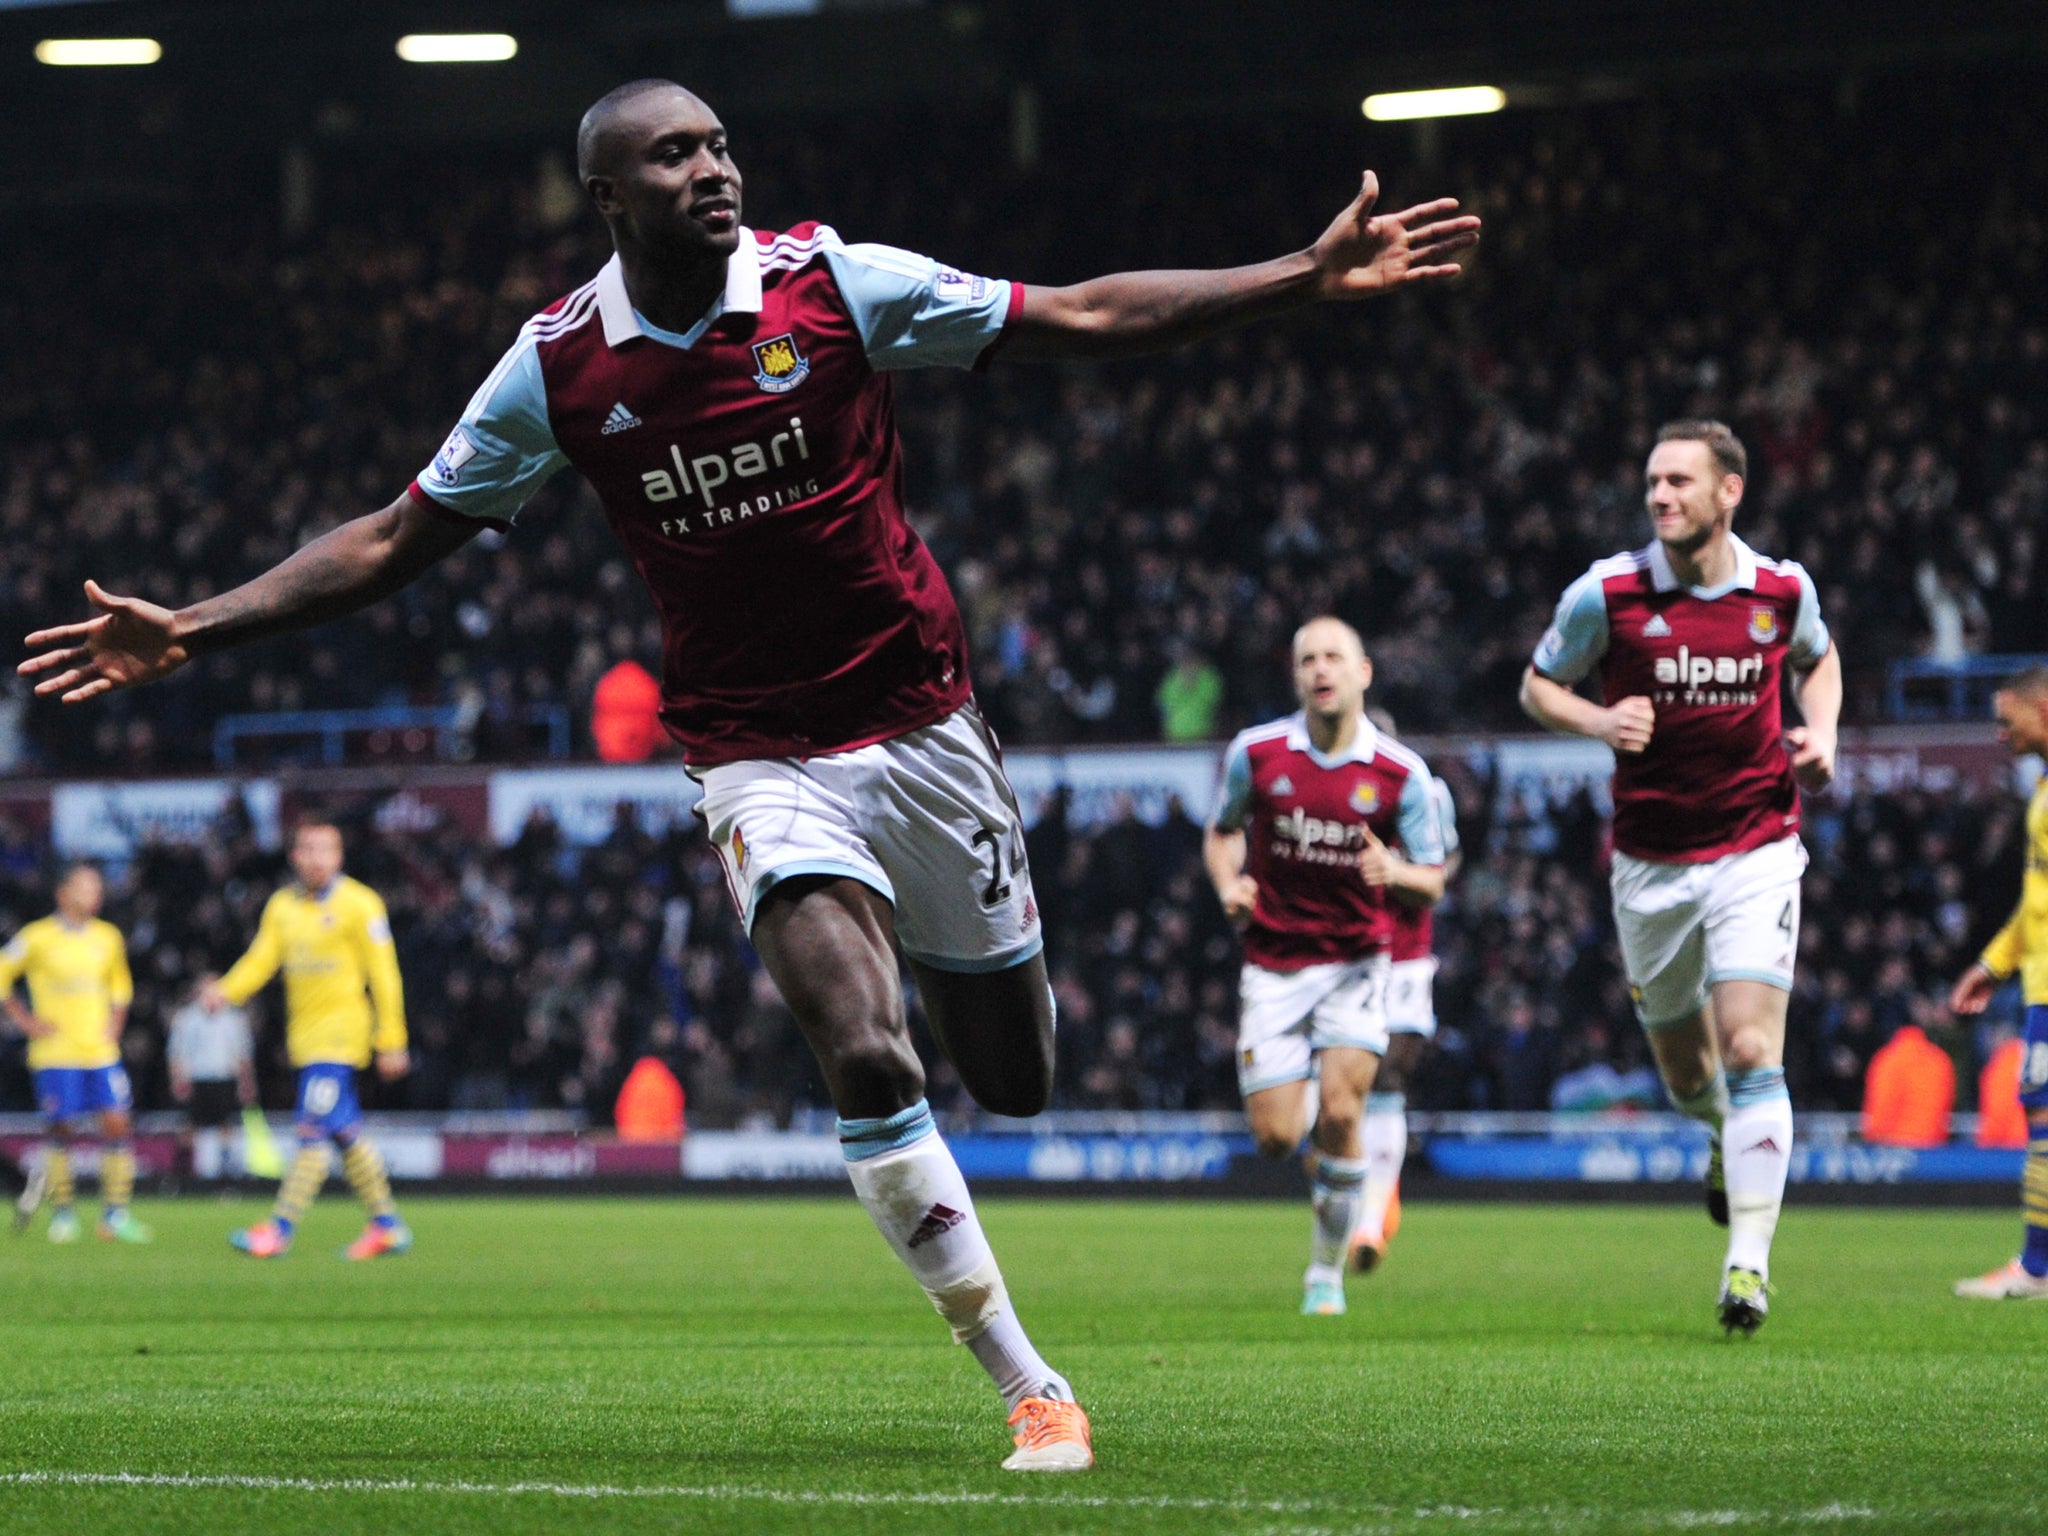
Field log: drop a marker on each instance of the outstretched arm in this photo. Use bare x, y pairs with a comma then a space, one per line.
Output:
132, 642
1128, 314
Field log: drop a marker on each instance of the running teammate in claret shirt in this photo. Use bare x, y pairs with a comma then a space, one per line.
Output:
1301, 852
726, 392
1694, 637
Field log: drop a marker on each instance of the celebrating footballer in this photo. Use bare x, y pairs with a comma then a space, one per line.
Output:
1693, 636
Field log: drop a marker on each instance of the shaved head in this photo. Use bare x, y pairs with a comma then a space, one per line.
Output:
603, 134
1328, 629
656, 162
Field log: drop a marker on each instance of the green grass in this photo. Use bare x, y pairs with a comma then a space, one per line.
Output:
767, 1367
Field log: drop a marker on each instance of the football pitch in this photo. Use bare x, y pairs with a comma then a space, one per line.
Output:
589, 1365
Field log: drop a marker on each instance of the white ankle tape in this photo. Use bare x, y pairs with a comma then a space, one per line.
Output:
971, 1303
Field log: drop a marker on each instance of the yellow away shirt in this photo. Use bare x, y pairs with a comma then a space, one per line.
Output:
77, 977
2022, 944
342, 994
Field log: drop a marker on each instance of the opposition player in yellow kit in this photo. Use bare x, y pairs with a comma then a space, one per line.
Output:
79, 989
2021, 949
343, 1003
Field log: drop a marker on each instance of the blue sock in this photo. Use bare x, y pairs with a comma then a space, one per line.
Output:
387, 1221
860, 1140
284, 1224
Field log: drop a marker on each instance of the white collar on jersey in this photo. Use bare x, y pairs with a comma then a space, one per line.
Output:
1364, 745
1666, 580
742, 296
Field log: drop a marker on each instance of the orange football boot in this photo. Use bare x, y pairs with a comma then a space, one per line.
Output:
1051, 1437
376, 1241
265, 1240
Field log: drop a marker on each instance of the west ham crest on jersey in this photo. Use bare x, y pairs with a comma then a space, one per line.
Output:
1365, 797
778, 366
1763, 625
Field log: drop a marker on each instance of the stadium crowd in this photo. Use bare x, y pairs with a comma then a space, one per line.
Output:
1133, 544
1859, 288
537, 973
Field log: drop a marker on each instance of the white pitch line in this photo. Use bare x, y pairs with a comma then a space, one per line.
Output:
1684, 1519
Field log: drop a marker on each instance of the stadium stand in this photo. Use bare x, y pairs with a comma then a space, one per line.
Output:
1132, 544
538, 973
1132, 547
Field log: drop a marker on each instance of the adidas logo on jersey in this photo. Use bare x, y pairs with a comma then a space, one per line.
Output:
1656, 629
619, 420
935, 1223
1283, 785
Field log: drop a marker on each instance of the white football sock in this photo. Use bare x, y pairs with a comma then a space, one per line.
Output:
1384, 1135
206, 1153
1335, 1189
913, 1190
1756, 1150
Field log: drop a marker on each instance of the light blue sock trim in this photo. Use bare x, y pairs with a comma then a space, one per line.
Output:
1757, 1087
1339, 1172
860, 1140
1386, 1103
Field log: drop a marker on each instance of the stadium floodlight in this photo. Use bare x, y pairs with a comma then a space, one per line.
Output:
1454, 101
98, 50
457, 47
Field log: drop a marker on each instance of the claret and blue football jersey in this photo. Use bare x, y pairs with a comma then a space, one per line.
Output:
750, 467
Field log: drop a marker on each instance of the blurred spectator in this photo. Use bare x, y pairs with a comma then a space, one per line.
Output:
1909, 1092
1188, 698
625, 725
650, 1104
2001, 1117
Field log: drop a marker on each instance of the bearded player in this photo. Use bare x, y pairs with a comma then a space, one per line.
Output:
1694, 636
726, 392
1411, 1025
1299, 852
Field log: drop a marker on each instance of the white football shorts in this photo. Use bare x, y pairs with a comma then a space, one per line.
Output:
926, 819
1684, 927
1411, 1001
1285, 1017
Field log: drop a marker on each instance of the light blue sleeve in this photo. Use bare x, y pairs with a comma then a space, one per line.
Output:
1810, 638
1446, 814
913, 313
1234, 798
1422, 834
502, 450
1577, 637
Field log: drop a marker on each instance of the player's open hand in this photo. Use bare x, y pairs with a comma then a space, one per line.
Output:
211, 998
1971, 994
1629, 724
1378, 865
1813, 757
1363, 253
1238, 898
392, 1065
128, 643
